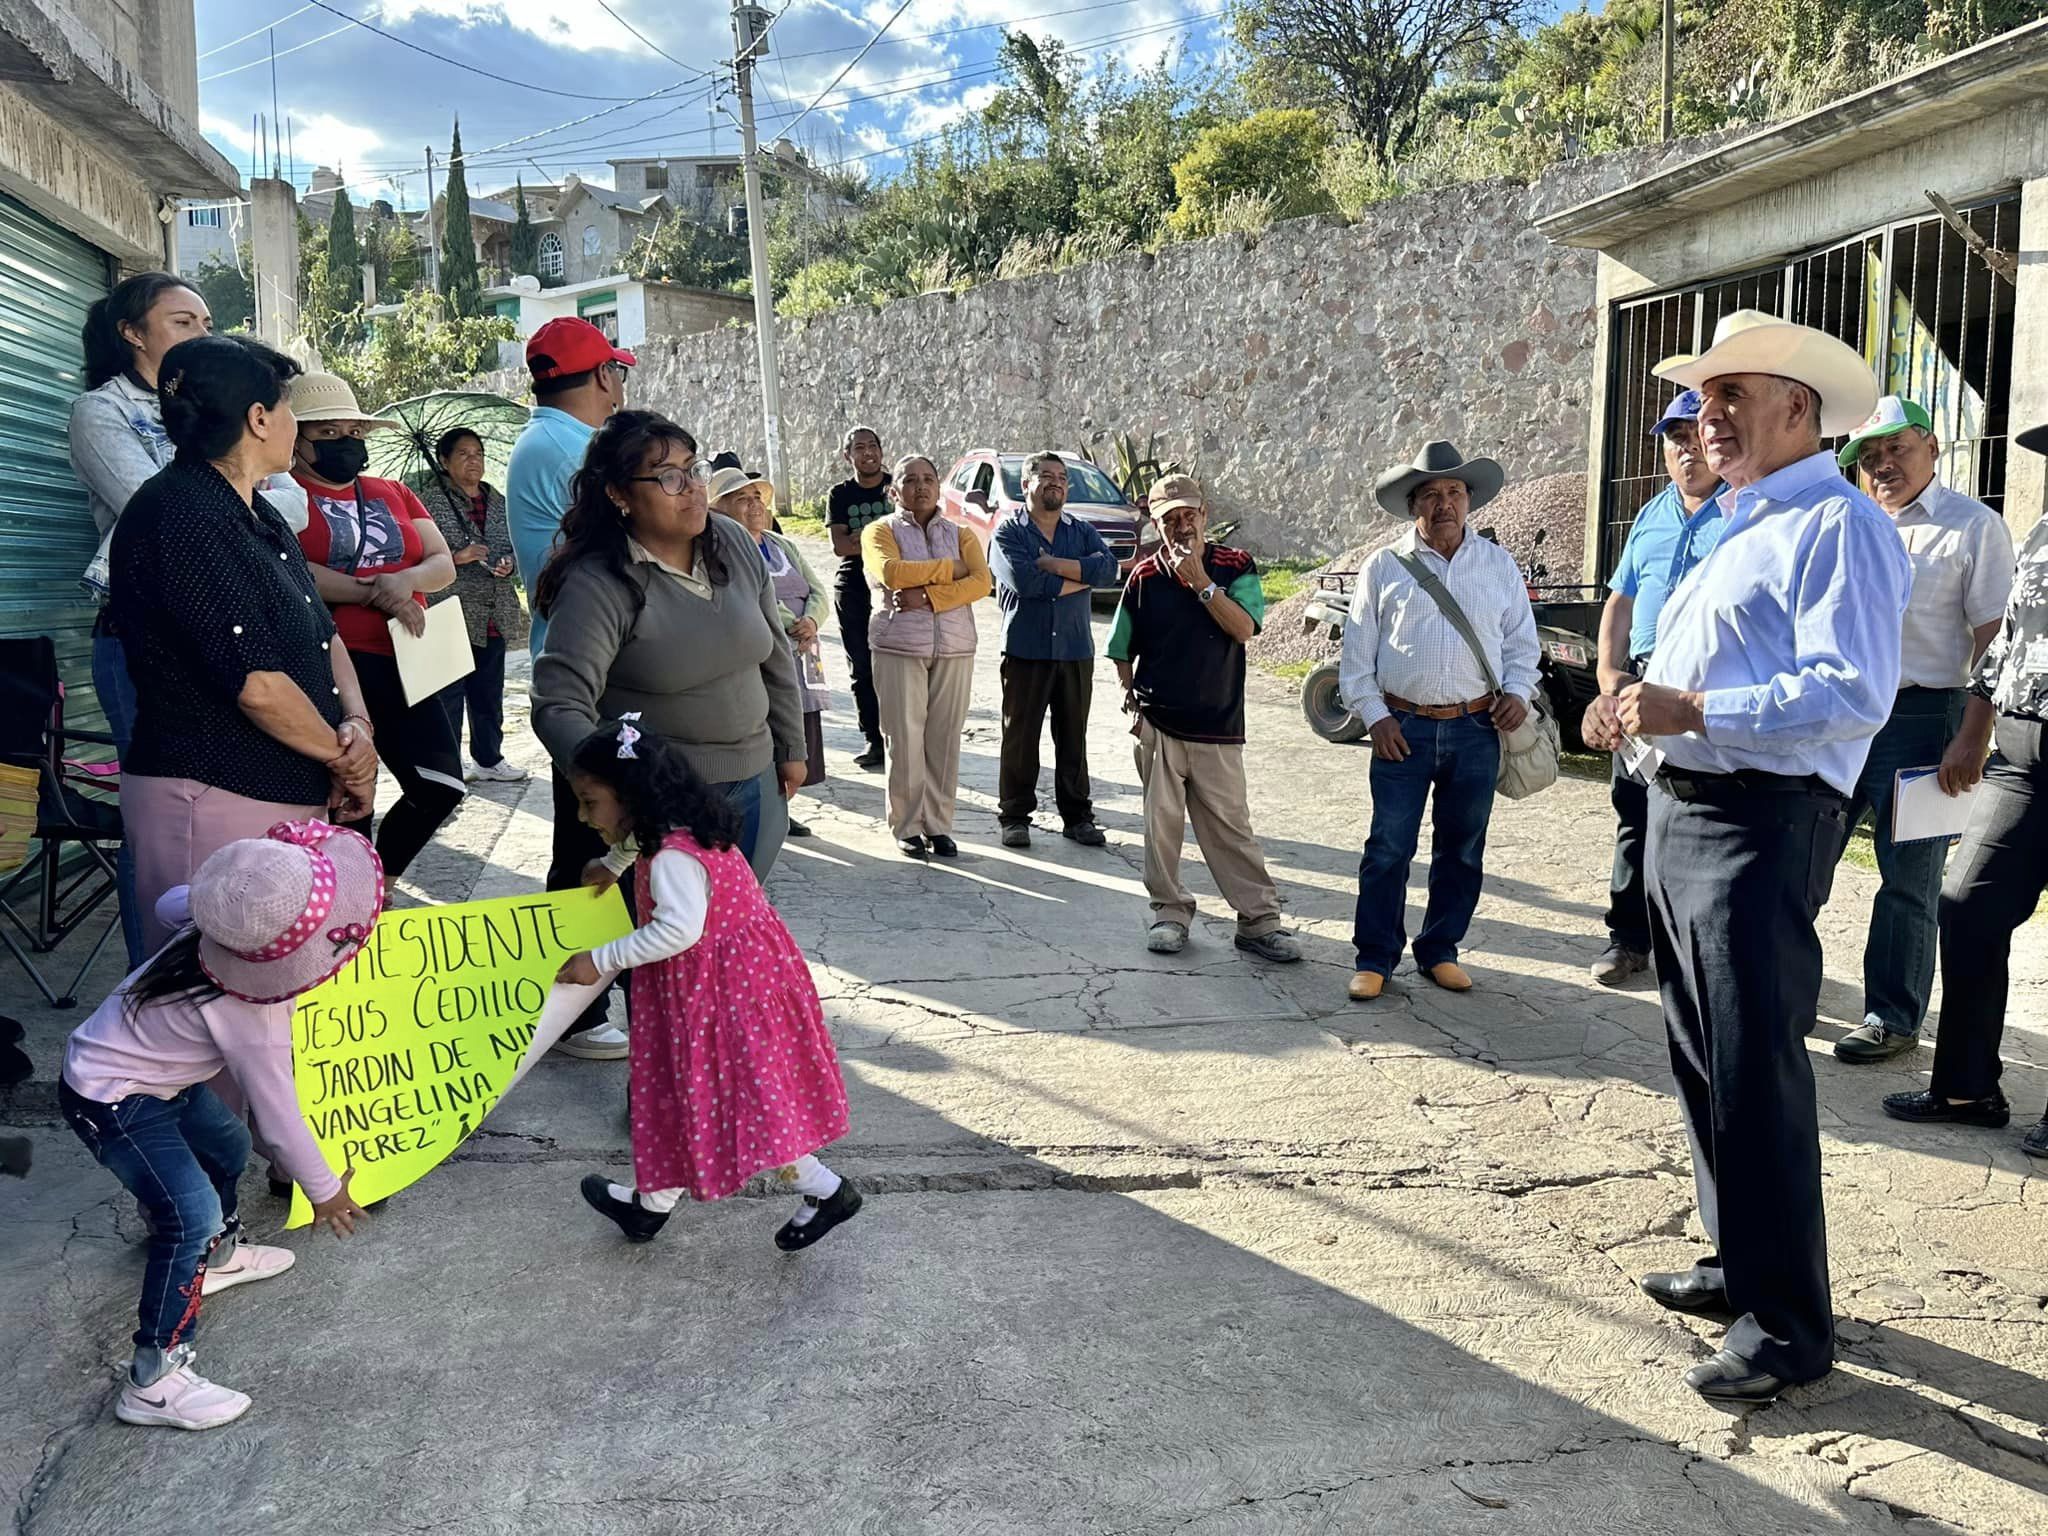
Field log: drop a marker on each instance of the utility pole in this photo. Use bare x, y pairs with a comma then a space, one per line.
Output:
749, 35
1669, 29
433, 234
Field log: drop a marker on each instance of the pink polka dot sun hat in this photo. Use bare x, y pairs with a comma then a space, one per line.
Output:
279, 914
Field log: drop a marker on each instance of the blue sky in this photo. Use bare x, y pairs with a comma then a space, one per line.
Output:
370, 105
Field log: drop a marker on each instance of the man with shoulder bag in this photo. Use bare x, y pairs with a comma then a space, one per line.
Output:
1440, 663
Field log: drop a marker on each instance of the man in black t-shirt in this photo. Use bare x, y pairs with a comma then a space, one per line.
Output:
1178, 644
852, 506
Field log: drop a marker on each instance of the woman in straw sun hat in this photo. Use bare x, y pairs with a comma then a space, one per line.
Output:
263, 920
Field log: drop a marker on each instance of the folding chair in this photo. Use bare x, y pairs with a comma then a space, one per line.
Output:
45, 817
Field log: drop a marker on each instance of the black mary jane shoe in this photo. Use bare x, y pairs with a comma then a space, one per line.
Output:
1991, 1111
635, 1220
1726, 1377
843, 1204
798, 829
943, 847
1685, 1290
910, 847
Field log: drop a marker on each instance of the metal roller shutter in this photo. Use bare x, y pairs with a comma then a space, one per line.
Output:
48, 278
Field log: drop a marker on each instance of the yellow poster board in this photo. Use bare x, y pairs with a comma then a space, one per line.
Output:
401, 1055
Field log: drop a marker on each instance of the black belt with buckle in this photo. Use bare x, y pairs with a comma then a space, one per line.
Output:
1688, 784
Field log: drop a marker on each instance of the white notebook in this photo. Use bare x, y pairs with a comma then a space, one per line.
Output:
431, 660
1921, 811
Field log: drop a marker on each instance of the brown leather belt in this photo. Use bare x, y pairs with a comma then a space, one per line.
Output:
1438, 711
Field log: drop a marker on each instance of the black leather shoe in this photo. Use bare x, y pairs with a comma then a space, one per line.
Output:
1991, 1111
943, 847
1728, 1378
2035, 1142
871, 759
1686, 1290
841, 1205
797, 828
1086, 833
910, 847
1017, 834
635, 1220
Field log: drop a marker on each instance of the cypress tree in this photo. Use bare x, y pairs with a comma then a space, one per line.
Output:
460, 284
344, 257
525, 242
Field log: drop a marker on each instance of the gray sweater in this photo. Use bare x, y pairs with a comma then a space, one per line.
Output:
714, 678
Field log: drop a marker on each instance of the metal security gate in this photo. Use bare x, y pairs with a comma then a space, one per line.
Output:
48, 278
1932, 318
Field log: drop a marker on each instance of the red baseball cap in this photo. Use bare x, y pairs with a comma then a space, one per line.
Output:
564, 346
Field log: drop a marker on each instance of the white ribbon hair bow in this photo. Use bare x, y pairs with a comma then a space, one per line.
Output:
628, 734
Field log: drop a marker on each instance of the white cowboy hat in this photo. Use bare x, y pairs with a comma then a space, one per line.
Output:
1750, 341
728, 478
327, 397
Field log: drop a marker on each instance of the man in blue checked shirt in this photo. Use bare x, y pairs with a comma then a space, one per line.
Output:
1673, 533
1777, 661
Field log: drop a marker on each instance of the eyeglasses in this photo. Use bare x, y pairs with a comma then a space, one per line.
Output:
674, 481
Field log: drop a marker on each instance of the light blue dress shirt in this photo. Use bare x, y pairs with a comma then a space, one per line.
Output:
549, 452
1663, 546
1790, 628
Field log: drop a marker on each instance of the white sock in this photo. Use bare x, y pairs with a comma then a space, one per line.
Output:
808, 1176
660, 1201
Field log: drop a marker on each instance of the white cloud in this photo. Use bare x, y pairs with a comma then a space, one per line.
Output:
319, 138
927, 115
582, 26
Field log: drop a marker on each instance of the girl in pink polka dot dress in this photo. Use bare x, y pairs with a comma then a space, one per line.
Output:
732, 1069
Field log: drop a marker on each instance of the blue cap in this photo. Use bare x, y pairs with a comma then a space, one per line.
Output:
1685, 408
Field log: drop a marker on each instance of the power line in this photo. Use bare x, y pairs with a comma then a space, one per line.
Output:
524, 85
236, 69
224, 47
983, 26
865, 50
650, 42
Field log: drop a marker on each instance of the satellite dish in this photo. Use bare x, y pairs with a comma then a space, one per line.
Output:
525, 282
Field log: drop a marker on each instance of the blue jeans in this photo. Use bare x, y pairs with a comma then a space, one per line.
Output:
484, 692
764, 818
1898, 956
183, 1159
1458, 759
116, 689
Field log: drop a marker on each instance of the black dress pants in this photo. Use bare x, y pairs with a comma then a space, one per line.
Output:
1737, 876
423, 752
1993, 884
1030, 688
1628, 894
855, 603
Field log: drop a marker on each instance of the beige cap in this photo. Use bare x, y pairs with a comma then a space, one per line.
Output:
1175, 491
327, 397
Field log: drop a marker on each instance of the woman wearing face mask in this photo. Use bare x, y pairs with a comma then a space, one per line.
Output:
660, 609
374, 553
117, 442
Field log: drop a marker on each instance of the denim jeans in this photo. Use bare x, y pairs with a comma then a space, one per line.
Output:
764, 818
1460, 760
116, 691
182, 1158
484, 692
1898, 956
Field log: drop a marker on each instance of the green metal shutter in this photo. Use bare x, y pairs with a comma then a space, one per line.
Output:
48, 278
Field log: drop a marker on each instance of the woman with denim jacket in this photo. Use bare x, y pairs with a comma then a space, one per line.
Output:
117, 442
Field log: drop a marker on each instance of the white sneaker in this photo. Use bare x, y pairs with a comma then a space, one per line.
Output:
252, 1261
181, 1399
607, 1042
503, 771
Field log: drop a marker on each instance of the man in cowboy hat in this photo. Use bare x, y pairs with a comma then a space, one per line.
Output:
1962, 574
1178, 644
1671, 534
1435, 708
1777, 660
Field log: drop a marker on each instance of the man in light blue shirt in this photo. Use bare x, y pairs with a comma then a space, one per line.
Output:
579, 380
1776, 662
1673, 533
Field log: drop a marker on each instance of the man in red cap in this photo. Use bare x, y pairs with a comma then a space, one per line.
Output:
579, 379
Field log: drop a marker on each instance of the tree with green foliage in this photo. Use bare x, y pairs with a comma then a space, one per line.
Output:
525, 252
680, 249
420, 349
1373, 60
344, 257
1275, 156
396, 251
226, 288
460, 283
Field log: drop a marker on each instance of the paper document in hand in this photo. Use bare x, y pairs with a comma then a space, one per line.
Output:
1921, 811
1640, 757
437, 656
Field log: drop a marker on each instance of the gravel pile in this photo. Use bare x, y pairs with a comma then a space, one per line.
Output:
1553, 502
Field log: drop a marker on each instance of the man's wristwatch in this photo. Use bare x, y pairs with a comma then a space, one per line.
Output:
1208, 593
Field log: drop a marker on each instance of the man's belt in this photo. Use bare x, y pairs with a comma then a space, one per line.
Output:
1689, 784
1438, 711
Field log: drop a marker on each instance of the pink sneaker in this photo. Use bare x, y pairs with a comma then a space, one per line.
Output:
252, 1261
180, 1399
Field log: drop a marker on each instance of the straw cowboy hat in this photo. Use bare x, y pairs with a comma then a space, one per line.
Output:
727, 478
327, 397
1438, 460
279, 914
1750, 341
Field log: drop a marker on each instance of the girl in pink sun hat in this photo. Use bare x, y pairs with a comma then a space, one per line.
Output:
264, 919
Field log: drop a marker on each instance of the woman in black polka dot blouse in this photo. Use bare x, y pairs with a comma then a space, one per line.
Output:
248, 712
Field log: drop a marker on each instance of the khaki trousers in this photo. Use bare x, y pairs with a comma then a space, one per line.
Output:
1202, 782
924, 706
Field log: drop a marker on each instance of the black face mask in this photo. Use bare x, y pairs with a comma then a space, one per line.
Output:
339, 460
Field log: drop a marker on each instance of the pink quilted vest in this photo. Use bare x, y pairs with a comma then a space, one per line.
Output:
919, 631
